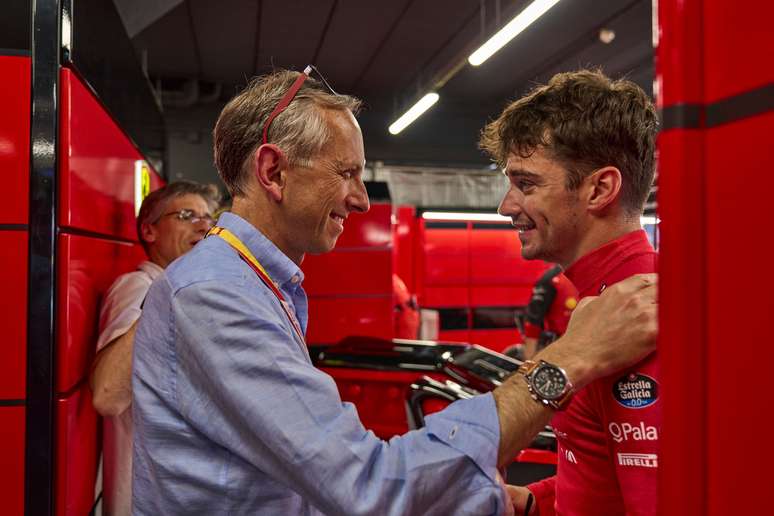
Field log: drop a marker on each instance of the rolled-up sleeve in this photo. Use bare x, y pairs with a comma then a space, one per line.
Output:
243, 381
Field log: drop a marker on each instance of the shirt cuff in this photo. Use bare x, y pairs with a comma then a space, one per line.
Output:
471, 427
544, 492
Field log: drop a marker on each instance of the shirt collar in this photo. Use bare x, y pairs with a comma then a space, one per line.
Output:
280, 268
591, 268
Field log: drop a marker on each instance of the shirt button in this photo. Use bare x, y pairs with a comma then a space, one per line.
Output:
453, 432
295, 279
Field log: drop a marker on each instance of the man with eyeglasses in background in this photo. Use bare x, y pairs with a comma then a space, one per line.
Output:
232, 417
172, 220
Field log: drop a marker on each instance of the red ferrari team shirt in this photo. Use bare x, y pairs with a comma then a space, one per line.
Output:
608, 435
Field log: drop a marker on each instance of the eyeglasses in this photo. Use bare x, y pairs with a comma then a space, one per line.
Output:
288, 97
190, 216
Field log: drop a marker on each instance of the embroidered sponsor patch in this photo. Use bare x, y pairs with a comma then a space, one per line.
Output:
621, 432
638, 460
635, 391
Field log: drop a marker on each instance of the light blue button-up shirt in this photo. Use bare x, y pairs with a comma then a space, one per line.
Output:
231, 417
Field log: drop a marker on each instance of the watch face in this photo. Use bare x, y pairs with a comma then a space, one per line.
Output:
549, 382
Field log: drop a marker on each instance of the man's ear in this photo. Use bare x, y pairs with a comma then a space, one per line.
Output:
149, 233
269, 164
605, 186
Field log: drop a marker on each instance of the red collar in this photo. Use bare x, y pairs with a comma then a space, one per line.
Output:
589, 273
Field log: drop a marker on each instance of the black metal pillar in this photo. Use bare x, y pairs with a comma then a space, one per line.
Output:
41, 310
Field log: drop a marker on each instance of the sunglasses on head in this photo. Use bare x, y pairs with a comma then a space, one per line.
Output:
288, 97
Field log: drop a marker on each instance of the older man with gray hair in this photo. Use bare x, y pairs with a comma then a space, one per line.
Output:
232, 417
171, 221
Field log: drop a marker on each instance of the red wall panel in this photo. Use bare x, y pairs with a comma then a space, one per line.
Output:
15, 76
476, 266
682, 336
87, 267
350, 288
735, 161
380, 396
495, 257
76, 453
496, 339
434, 297
348, 272
737, 46
13, 314
509, 295
368, 230
97, 165
404, 245
446, 257
715, 302
680, 58
332, 319
12, 460
454, 335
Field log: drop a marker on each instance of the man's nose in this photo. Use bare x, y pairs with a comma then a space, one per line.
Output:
509, 206
202, 226
357, 200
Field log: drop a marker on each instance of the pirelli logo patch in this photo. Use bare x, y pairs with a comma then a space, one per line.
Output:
638, 460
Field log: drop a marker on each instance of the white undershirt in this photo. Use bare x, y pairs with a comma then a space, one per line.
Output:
120, 309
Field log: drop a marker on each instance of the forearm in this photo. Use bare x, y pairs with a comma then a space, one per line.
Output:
521, 417
111, 377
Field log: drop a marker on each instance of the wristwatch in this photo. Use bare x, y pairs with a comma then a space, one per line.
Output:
548, 384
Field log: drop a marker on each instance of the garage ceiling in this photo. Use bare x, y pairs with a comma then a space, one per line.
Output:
391, 52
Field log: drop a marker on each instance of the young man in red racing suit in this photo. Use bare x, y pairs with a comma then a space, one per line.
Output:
579, 155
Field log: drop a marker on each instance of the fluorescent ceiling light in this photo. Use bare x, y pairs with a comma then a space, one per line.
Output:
413, 113
522, 20
447, 215
649, 219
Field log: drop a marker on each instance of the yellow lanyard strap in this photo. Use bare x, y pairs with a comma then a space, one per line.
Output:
254, 264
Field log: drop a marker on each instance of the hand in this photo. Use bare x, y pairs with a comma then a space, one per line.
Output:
609, 332
519, 497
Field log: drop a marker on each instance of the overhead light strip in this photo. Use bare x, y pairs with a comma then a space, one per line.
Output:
478, 217
522, 20
413, 113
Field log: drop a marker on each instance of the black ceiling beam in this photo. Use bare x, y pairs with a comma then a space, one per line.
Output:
443, 45
380, 47
327, 26
257, 38
197, 52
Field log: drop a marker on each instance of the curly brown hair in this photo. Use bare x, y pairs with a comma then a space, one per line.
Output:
586, 121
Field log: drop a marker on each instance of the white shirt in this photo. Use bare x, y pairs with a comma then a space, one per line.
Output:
120, 309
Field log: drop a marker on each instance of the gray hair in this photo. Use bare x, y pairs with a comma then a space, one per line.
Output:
155, 204
300, 130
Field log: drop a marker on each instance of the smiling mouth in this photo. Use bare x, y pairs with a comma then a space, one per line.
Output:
522, 227
338, 218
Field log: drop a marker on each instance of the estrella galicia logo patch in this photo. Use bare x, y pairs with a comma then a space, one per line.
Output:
635, 391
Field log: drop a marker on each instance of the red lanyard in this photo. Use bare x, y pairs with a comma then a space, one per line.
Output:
254, 264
